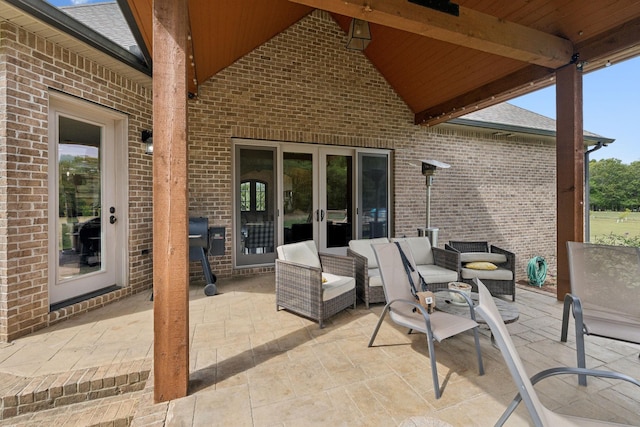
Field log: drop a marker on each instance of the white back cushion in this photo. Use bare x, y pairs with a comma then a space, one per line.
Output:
363, 247
305, 253
420, 248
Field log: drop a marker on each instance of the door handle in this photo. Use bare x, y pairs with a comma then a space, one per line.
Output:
321, 214
112, 219
317, 216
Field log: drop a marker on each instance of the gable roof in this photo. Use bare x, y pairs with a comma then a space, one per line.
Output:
47, 21
106, 19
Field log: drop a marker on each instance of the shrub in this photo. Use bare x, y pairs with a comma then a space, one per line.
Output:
617, 240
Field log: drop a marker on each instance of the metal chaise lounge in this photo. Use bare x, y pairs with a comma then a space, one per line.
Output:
404, 310
605, 294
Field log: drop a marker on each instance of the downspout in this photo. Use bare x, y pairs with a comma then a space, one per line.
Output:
587, 227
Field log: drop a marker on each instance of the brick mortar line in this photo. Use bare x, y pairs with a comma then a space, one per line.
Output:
56, 390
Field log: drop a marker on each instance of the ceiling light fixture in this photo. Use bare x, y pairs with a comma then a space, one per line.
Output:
359, 35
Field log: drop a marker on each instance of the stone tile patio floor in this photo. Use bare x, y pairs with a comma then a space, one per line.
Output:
254, 366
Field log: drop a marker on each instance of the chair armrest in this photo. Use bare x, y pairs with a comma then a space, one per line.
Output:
362, 266
340, 265
571, 301
450, 248
418, 309
291, 275
563, 371
446, 259
511, 257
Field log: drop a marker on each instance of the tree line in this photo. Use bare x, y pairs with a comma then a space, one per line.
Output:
614, 186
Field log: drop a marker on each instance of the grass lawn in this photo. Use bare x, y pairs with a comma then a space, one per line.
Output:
622, 223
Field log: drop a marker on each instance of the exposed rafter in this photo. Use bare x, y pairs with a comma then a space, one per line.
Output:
511, 86
471, 29
616, 44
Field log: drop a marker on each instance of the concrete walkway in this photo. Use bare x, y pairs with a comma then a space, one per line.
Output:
254, 366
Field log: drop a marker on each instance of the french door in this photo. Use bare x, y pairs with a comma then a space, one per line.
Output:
87, 215
318, 196
290, 193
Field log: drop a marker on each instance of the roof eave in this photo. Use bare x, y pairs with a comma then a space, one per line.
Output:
502, 127
53, 16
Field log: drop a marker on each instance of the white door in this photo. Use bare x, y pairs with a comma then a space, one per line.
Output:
86, 212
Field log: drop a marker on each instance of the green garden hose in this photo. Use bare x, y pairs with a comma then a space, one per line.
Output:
537, 270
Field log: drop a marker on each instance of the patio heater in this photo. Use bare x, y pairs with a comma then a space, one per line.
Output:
429, 168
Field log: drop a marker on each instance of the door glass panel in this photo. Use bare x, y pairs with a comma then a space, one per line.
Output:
298, 197
374, 197
257, 206
339, 206
79, 193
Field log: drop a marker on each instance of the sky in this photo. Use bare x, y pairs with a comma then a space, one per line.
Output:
72, 2
611, 98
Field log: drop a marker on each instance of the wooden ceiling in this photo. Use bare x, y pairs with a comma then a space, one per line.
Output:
443, 66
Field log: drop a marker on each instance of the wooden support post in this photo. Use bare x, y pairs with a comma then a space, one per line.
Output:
569, 167
170, 201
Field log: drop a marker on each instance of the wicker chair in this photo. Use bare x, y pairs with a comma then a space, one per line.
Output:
499, 282
300, 273
368, 281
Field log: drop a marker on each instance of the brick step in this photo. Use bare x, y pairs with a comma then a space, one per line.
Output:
114, 411
19, 395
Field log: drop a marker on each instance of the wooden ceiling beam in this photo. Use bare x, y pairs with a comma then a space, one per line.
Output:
471, 29
515, 84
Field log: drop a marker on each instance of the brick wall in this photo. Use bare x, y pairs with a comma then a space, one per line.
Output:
300, 87
31, 68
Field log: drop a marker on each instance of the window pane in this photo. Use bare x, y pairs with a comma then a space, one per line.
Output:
245, 196
374, 196
298, 197
79, 194
261, 196
255, 242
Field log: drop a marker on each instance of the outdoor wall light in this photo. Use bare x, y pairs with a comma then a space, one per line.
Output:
147, 138
359, 35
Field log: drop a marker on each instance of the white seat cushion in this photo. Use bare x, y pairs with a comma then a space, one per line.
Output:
436, 274
304, 253
374, 277
363, 247
420, 249
336, 285
499, 274
482, 256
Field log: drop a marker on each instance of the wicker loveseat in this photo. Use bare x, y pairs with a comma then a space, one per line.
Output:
501, 281
437, 266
